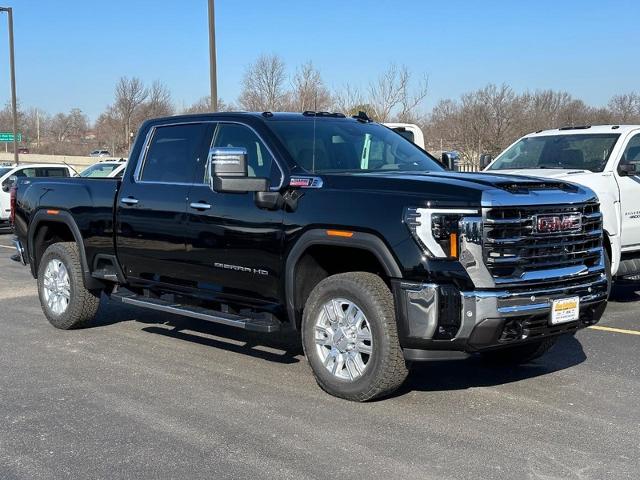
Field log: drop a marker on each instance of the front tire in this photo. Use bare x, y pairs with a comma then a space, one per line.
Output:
65, 301
350, 337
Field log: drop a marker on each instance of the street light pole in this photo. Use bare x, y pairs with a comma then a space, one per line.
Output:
12, 67
212, 58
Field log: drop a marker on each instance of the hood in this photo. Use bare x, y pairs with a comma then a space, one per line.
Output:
464, 189
558, 173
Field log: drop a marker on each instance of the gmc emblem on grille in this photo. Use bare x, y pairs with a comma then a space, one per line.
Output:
557, 223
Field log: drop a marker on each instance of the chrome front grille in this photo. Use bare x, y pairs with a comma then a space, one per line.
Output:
513, 247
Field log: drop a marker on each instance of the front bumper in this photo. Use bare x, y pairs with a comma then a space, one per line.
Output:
435, 318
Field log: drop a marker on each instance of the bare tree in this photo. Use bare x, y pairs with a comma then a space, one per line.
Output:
108, 131
159, 101
264, 85
130, 95
394, 92
626, 107
309, 91
203, 105
349, 100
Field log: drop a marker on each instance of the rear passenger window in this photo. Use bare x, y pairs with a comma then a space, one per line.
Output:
52, 172
176, 153
26, 172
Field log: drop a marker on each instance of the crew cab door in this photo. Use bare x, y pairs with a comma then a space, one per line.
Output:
630, 193
152, 203
234, 247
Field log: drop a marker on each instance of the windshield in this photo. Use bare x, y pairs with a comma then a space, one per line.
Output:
99, 170
4, 170
335, 146
586, 152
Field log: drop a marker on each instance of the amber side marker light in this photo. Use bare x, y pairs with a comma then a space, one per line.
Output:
53, 212
339, 233
453, 245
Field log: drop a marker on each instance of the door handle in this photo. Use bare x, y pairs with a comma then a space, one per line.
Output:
200, 205
129, 200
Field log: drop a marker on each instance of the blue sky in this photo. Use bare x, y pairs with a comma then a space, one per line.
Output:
70, 53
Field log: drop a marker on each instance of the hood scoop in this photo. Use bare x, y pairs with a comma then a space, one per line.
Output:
519, 187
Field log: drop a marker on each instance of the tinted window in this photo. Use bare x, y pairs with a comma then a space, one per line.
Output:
4, 170
176, 152
350, 146
586, 151
408, 134
52, 172
260, 163
632, 152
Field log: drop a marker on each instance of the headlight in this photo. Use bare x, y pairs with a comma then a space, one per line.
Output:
436, 230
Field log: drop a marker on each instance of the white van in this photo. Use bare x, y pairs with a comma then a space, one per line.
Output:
26, 170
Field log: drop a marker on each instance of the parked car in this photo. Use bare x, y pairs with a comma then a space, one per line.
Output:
334, 227
7, 174
113, 168
100, 153
605, 158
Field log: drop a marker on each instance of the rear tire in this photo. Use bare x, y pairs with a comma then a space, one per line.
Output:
519, 354
65, 301
350, 337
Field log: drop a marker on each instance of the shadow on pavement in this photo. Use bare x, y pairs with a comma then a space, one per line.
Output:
474, 372
429, 376
281, 348
621, 293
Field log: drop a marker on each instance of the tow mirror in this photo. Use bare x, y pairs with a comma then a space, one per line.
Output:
627, 169
485, 160
228, 171
8, 183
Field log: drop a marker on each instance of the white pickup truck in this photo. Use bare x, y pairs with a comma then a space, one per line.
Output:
410, 131
605, 158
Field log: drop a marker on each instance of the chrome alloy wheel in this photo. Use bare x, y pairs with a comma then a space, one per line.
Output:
343, 339
57, 287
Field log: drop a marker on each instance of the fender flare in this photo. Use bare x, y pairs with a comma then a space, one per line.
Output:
361, 240
67, 219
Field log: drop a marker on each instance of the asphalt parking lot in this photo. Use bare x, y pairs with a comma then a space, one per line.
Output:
146, 395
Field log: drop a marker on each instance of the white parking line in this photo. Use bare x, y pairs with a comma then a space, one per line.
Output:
6, 246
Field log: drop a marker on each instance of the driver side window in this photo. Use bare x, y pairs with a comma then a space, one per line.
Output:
632, 152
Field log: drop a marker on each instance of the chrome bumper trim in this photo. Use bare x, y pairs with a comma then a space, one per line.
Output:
481, 305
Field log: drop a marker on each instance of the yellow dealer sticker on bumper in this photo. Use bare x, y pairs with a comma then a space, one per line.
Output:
565, 310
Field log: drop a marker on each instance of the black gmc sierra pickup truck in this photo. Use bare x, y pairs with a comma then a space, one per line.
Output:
335, 227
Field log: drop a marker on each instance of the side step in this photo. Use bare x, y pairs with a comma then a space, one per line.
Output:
263, 322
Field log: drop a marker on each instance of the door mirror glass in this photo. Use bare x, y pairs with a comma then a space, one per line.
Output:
228, 162
228, 171
627, 169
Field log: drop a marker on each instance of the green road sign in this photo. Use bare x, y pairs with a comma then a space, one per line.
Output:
8, 137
